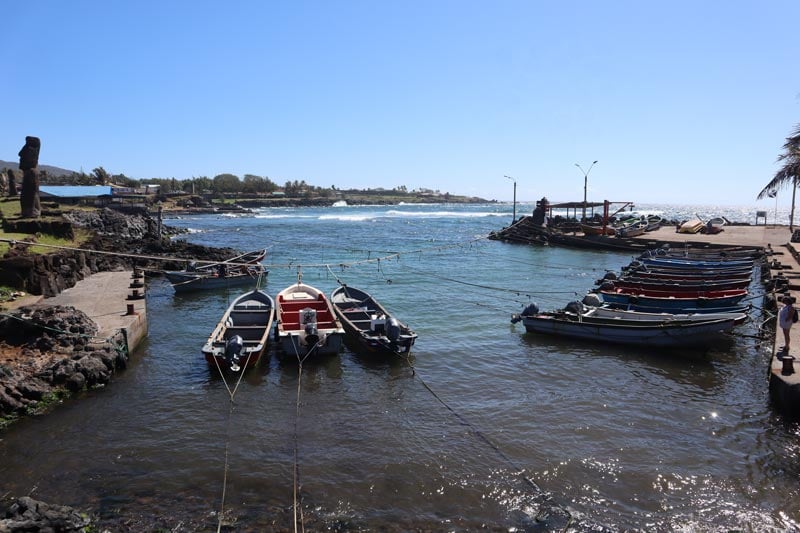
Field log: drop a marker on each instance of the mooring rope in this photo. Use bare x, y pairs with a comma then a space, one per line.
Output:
478, 433
296, 500
393, 255
221, 516
231, 394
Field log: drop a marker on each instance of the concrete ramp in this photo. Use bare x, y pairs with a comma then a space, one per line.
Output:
114, 300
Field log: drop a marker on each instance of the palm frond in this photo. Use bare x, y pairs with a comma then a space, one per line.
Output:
788, 175
792, 143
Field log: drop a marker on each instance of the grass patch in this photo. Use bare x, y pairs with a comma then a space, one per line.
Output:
5, 295
10, 208
82, 235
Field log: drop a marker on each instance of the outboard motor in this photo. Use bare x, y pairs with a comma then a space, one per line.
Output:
593, 300
608, 276
575, 307
607, 286
393, 330
233, 350
312, 335
530, 309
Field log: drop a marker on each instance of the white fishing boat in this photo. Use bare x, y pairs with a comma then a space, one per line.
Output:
654, 334
307, 324
588, 312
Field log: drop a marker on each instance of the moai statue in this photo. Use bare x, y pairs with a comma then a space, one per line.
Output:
29, 164
3, 183
12, 182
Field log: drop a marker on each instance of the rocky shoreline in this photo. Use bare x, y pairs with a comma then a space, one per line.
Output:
49, 353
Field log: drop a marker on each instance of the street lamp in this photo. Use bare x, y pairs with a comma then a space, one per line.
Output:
585, 182
515, 198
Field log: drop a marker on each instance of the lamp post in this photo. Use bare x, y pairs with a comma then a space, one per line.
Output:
585, 182
515, 198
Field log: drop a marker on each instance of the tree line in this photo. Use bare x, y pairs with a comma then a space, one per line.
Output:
249, 184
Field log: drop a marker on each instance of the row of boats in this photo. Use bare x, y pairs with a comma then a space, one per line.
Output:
301, 320
304, 323
633, 226
663, 299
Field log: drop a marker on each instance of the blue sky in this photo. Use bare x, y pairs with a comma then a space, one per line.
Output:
679, 101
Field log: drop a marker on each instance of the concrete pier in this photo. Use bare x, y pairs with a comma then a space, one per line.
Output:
784, 367
784, 387
114, 300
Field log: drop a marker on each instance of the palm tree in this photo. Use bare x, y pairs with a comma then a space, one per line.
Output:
789, 173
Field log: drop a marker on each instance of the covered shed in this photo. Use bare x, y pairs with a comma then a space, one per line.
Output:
76, 194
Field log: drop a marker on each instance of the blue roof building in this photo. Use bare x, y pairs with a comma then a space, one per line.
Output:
74, 191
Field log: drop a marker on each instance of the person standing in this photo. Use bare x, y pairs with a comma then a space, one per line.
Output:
786, 317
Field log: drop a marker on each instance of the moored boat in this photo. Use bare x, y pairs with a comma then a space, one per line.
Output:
674, 301
700, 333
242, 334
632, 282
306, 323
243, 276
589, 312
675, 262
369, 326
240, 271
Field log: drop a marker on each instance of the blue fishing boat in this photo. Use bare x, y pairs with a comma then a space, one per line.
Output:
675, 302
671, 262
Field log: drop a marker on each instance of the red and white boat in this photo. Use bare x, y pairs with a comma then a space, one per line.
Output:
307, 324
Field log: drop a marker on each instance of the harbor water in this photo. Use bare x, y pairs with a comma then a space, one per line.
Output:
467, 434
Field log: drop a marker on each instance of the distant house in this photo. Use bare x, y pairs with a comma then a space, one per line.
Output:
77, 194
136, 191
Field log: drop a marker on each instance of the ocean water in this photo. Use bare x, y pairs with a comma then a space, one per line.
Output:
488, 423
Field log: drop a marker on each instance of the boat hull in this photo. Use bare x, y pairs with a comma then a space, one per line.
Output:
678, 285
250, 317
640, 316
701, 334
183, 281
307, 324
671, 304
369, 326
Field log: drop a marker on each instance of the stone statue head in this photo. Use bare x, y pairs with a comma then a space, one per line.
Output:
29, 155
